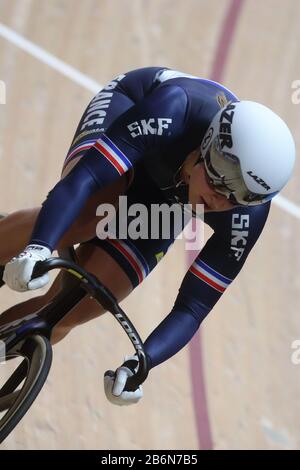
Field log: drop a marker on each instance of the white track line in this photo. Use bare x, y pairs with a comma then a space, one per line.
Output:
93, 86
287, 205
49, 59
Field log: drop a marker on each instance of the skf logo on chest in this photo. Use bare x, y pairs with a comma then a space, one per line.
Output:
149, 126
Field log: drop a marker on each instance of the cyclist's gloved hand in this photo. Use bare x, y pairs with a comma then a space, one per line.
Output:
114, 383
17, 273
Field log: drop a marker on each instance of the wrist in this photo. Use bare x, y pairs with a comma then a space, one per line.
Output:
39, 250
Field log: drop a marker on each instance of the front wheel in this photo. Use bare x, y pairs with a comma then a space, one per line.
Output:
21, 379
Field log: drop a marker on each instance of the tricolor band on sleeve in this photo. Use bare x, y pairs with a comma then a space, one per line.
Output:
211, 277
113, 154
83, 147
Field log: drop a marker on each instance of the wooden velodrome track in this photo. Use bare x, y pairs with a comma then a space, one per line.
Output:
235, 387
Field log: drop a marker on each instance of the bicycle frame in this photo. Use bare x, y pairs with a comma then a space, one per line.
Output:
51, 314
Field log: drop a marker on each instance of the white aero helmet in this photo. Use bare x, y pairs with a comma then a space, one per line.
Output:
248, 153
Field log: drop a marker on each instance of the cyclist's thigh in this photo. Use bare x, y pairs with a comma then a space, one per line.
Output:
95, 260
138, 256
84, 227
121, 264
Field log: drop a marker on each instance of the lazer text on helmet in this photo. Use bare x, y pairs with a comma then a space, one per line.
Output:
226, 119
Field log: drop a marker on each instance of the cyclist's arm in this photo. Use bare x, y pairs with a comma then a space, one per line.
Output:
219, 262
141, 130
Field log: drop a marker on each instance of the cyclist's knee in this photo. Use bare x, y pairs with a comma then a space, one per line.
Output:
85, 311
59, 333
28, 216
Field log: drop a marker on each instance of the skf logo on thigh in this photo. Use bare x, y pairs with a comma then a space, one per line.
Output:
149, 126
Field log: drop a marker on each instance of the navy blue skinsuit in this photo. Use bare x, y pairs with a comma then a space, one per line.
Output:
144, 123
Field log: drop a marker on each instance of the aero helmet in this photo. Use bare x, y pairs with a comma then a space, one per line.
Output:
248, 153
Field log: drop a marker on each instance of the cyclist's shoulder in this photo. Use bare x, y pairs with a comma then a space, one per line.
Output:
199, 97
204, 97
197, 88
138, 83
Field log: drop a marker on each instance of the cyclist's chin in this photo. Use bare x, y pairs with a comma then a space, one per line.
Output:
200, 208
203, 207
221, 209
